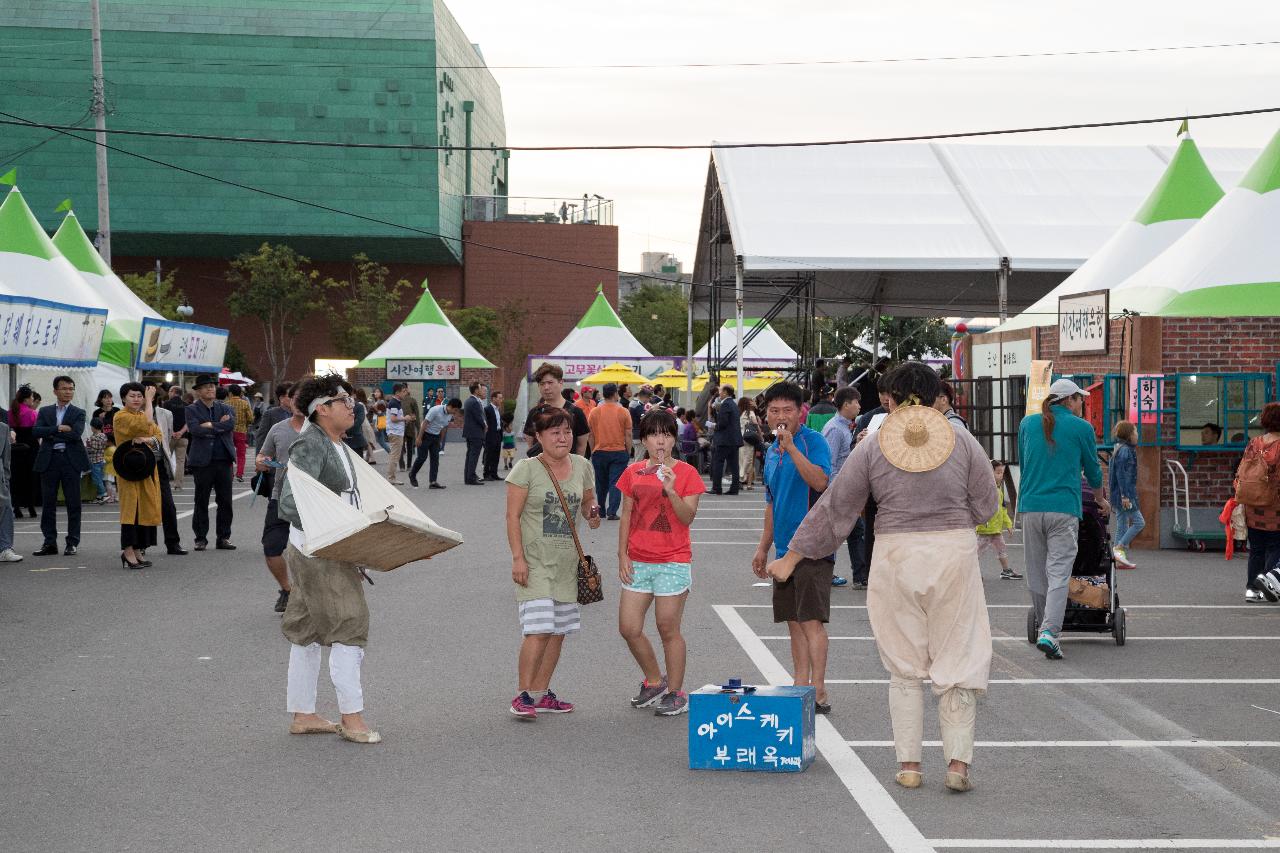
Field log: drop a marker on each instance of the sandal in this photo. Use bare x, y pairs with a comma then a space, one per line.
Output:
359, 737
909, 778
325, 728
958, 782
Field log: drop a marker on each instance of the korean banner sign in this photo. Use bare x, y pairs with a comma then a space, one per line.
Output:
1146, 390
1038, 382
1083, 323
424, 369
166, 345
36, 331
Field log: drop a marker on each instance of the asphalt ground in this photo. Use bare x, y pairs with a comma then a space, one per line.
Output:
144, 710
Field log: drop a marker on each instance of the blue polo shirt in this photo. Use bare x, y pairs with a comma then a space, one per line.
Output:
786, 491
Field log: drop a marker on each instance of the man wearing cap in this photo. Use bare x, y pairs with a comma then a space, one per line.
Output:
925, 601
210, 457
1055, 447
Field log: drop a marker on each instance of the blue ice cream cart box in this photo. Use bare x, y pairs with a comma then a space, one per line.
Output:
737, 727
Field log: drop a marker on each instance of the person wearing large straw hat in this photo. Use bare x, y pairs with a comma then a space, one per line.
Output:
932, 483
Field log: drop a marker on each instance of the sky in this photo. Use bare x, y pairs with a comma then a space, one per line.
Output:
658, 195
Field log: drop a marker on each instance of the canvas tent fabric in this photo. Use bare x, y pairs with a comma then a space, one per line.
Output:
1228, 265
1185, 192
426, 333
125, 311
601, 334
920, 228
766, 349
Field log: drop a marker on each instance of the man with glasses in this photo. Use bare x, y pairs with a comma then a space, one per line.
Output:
210, 457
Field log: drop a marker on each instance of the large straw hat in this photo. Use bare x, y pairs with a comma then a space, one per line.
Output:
916, 438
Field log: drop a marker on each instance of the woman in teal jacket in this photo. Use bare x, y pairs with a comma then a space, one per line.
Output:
1054, 448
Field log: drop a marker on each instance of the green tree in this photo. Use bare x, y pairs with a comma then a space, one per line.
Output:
235, 360
276, 288
164, 298
657, 315
514, 343
366, 309
479, 325
902, 338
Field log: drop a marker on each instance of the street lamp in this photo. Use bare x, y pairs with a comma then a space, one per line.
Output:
185, 311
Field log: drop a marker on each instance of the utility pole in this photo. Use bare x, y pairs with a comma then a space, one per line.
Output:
100, 123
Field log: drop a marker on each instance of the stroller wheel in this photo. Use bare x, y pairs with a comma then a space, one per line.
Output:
1117, 626
1031, 625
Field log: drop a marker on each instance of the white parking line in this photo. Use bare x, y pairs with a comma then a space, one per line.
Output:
1121, 744
1108, 844
1257, 607
1028, 681
728, 530
1101, 638
882, 810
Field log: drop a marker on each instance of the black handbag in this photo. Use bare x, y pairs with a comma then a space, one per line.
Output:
590, 587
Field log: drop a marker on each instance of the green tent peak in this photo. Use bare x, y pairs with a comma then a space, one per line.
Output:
1265, 174
747, 323
74, 245
20, 233
600, 313
426, 311
1186, 190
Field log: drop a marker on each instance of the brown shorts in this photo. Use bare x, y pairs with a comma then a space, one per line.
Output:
806, 595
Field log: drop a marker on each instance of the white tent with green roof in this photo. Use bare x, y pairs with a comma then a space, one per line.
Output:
1186, 191
125, 311
601, 334
1228, 265
765, 350
426, 333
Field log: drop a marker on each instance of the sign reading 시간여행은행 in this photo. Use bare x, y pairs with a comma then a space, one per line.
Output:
424, 369
1084, 325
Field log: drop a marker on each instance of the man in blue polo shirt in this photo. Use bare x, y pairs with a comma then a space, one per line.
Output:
796, 469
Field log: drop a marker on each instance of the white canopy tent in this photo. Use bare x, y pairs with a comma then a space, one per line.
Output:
765, 351
1186, 191
427, 334
601, 334
938, 229
1228, 265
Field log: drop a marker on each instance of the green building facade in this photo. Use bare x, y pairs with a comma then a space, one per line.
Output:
349, 71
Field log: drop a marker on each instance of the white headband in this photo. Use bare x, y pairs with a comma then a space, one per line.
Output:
317, 403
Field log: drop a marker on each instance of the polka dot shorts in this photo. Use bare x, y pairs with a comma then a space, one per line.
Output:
660, 578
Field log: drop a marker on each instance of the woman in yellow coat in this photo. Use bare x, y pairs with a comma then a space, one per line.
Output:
139, 499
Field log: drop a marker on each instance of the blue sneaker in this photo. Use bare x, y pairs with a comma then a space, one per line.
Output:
839, 581
1048, 644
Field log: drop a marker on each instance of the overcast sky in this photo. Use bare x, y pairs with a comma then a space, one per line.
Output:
658, 194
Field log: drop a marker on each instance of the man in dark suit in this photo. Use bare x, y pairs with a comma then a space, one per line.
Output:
492, 435
725, 442
210, 457
473, 430
61, 461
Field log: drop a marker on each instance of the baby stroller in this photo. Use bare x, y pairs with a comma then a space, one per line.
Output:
1095, 562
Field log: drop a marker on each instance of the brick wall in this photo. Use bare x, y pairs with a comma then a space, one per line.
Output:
557, 293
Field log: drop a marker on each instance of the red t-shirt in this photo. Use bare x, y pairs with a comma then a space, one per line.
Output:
657, 535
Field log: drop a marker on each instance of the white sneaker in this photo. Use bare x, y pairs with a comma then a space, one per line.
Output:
8, 555
1252, 596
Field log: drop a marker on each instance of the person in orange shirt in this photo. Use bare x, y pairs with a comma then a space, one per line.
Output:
586, 399
610, 440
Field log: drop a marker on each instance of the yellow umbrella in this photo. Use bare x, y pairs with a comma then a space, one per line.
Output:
670, 375
618, 373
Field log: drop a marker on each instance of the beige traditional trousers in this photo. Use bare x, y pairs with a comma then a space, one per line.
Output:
929, 615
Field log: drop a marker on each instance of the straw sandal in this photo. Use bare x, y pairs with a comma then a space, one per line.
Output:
325, 728
359, 737
958, 782
909, 778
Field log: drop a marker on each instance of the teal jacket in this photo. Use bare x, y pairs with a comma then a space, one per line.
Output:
1050, 480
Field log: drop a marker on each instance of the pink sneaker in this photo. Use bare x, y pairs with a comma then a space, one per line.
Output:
522, 707
551, 705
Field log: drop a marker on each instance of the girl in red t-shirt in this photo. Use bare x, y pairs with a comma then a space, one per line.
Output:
659, 500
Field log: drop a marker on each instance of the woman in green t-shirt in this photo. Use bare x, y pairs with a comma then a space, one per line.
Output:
544, 560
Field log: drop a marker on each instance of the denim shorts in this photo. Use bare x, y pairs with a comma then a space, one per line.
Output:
660, 578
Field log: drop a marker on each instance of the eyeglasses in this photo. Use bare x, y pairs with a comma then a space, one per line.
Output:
345, 399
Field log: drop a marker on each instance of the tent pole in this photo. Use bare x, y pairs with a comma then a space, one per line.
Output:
738, 308
875, 334
688, 344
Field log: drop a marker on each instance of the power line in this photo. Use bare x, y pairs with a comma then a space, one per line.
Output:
769, 290
713, 146
641, 66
